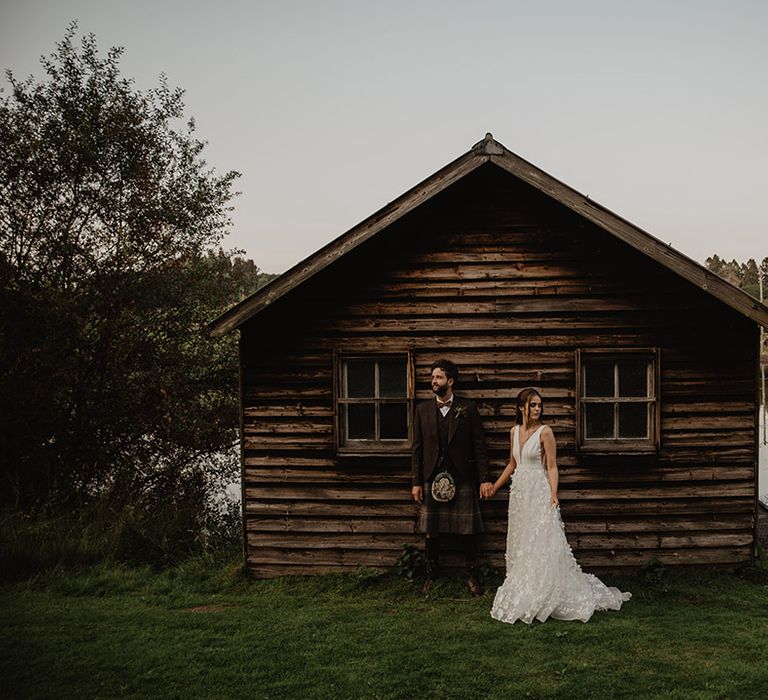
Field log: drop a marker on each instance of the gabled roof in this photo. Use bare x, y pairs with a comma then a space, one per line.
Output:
490, 150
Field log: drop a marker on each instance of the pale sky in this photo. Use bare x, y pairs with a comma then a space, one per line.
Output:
330, 109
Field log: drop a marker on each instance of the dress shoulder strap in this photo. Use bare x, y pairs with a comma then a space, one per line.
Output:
543, 456
516, 443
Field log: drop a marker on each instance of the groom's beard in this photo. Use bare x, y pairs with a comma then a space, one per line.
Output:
441, 390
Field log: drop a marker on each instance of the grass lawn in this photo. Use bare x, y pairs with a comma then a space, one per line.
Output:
201, 631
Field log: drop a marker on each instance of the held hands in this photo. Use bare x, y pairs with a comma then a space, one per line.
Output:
487, 489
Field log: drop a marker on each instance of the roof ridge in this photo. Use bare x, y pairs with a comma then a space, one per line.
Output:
488, 150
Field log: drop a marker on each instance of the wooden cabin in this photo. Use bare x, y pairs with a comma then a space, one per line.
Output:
647, 362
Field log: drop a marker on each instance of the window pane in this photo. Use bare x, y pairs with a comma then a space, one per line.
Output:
598, 379
599, 420
360, 378
394, 421
633, 378
361, 421
633, 420
392, 377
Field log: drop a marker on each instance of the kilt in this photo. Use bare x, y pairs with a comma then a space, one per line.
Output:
460, 516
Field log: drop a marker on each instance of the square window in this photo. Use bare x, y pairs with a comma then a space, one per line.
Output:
373, 403
617, 400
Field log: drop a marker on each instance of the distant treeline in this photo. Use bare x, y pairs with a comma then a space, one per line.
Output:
744, 275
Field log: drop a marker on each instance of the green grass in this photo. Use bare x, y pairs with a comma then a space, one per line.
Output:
201, 631
53, 537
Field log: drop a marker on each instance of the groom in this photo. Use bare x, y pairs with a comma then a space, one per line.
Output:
448, 436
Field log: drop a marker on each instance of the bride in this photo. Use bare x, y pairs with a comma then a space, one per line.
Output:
543, 578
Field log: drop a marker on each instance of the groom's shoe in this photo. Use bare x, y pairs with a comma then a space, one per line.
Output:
432, 572
474, 587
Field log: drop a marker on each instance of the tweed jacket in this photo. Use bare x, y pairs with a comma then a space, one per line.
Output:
466, 458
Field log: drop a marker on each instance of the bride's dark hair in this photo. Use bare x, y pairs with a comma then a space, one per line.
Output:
522, 399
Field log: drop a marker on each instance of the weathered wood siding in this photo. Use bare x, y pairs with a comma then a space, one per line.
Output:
494, 275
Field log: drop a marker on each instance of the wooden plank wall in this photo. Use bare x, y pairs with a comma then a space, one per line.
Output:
508, 284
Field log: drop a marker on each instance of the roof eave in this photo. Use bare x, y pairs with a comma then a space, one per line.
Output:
634, 236
425, 190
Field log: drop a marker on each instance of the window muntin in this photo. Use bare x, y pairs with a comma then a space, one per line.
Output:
617, 400
373, 402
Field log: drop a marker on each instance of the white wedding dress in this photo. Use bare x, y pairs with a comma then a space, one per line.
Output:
543, 578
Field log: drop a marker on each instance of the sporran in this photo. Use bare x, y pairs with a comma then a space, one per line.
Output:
443, 487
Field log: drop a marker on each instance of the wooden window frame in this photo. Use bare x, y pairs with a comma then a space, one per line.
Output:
367, 447
617, 445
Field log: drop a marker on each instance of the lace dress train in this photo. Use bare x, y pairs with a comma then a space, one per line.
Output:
543, 577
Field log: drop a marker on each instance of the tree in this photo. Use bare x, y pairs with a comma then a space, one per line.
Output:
745, 276
110, 227
749, 278
729, 271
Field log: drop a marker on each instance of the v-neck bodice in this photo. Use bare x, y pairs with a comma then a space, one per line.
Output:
529, 456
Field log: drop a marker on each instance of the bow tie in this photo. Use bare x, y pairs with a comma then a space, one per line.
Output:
440, 403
